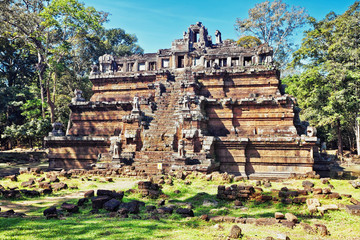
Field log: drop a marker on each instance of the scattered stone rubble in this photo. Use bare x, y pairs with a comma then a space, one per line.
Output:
355, 184
11, 214
234, 192
150, 189
112, 201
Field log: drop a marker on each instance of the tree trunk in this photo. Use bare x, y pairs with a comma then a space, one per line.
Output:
51, 105
357, 134
42, 96
49, 100
41, 68
54, 88
340, 142
69, 124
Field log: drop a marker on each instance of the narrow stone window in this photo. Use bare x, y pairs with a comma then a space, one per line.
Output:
234, 62
141, 67
208, 63
165, 63
196, 36
152, 66
120, 67
180, 61
247, 61
262, 59
223, 62
196, 61
130, 67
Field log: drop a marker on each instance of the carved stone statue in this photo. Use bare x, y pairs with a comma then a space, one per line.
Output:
105, 63
311, 131
57, 129
116, 150
186, 103
94, 69
218, 37
78, 96
181, 148
78, 93
215, 65
135, 104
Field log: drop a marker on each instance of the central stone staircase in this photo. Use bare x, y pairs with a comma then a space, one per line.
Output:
159, 151
163, 128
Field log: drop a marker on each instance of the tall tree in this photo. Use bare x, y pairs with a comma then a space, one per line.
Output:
273, 23
51, 28
330, 83
46, 50
17, 63
106, 41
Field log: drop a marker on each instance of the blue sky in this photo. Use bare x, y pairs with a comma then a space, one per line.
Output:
158, 23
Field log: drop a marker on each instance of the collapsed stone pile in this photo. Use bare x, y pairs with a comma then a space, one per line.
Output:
111, 201
46, 189
235, 192
288, 220
147, 188
355, 184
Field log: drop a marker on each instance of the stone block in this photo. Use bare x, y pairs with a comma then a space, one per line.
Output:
353, 209
235, 232
279, 215
291, 217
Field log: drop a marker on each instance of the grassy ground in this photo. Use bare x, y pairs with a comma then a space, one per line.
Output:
85, 225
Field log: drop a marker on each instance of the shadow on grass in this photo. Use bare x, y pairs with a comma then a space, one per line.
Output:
85, 227
36, 205
7, 169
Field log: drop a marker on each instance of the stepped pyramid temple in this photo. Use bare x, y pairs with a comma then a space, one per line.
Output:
201, 105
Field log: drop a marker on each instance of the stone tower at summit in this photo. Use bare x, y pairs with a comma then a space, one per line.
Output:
200, 105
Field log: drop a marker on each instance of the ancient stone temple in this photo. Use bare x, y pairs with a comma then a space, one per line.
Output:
199, 105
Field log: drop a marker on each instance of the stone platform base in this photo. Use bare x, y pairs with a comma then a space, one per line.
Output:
70, 152
275, 157
270, 157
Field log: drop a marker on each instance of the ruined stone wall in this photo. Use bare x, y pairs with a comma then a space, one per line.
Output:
251, 119
75, 152
240, 85
98, 119
96, 123
197, 106
121, 89
272, 157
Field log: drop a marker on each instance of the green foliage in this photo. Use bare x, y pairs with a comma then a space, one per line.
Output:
31, 109
47, 48
11, 99
31, 132
328, 87
274, 23
119, 43
17, 62
248, 41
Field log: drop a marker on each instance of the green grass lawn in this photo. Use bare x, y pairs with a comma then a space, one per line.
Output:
85, 225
